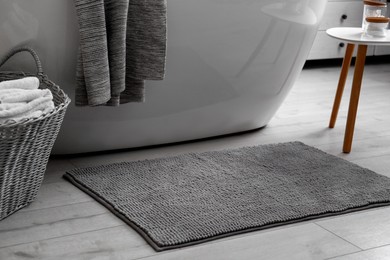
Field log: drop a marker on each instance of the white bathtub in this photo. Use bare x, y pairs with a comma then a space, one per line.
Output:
230, 65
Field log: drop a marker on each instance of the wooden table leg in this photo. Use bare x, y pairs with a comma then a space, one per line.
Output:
355, 93
341, 84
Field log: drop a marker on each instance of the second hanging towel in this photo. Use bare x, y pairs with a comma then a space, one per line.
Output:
122, 44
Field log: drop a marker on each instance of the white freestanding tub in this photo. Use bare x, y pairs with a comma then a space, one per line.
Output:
230, 65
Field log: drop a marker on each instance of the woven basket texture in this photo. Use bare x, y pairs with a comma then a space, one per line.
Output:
25, 146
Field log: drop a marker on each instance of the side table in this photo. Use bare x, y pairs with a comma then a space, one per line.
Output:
353, 36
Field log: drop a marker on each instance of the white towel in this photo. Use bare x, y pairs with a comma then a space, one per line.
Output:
21, 99
19, 118
15, 112
23, 83
21, 95
14, 109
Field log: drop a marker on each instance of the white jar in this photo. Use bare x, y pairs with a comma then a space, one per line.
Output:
373, 8
377, 26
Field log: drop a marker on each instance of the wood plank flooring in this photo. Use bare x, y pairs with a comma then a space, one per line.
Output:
65, 223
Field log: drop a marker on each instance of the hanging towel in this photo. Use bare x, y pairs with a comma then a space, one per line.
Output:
122, 44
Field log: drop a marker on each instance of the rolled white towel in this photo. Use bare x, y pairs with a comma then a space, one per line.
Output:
22, 117
21, 99
21, 95
23, 83
15, 112
15, 109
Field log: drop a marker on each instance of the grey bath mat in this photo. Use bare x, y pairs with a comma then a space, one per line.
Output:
188, 199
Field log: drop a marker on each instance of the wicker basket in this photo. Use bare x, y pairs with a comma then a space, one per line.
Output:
25, 146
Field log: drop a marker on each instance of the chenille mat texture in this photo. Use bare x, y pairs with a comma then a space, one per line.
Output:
197, 197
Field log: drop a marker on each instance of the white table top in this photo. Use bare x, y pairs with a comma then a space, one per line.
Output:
355, 35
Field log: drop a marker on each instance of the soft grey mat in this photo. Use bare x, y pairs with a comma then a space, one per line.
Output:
193, 198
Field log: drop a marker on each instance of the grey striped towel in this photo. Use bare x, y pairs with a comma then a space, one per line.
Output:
122, 44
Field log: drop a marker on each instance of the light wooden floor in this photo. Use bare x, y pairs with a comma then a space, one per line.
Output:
64, 223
